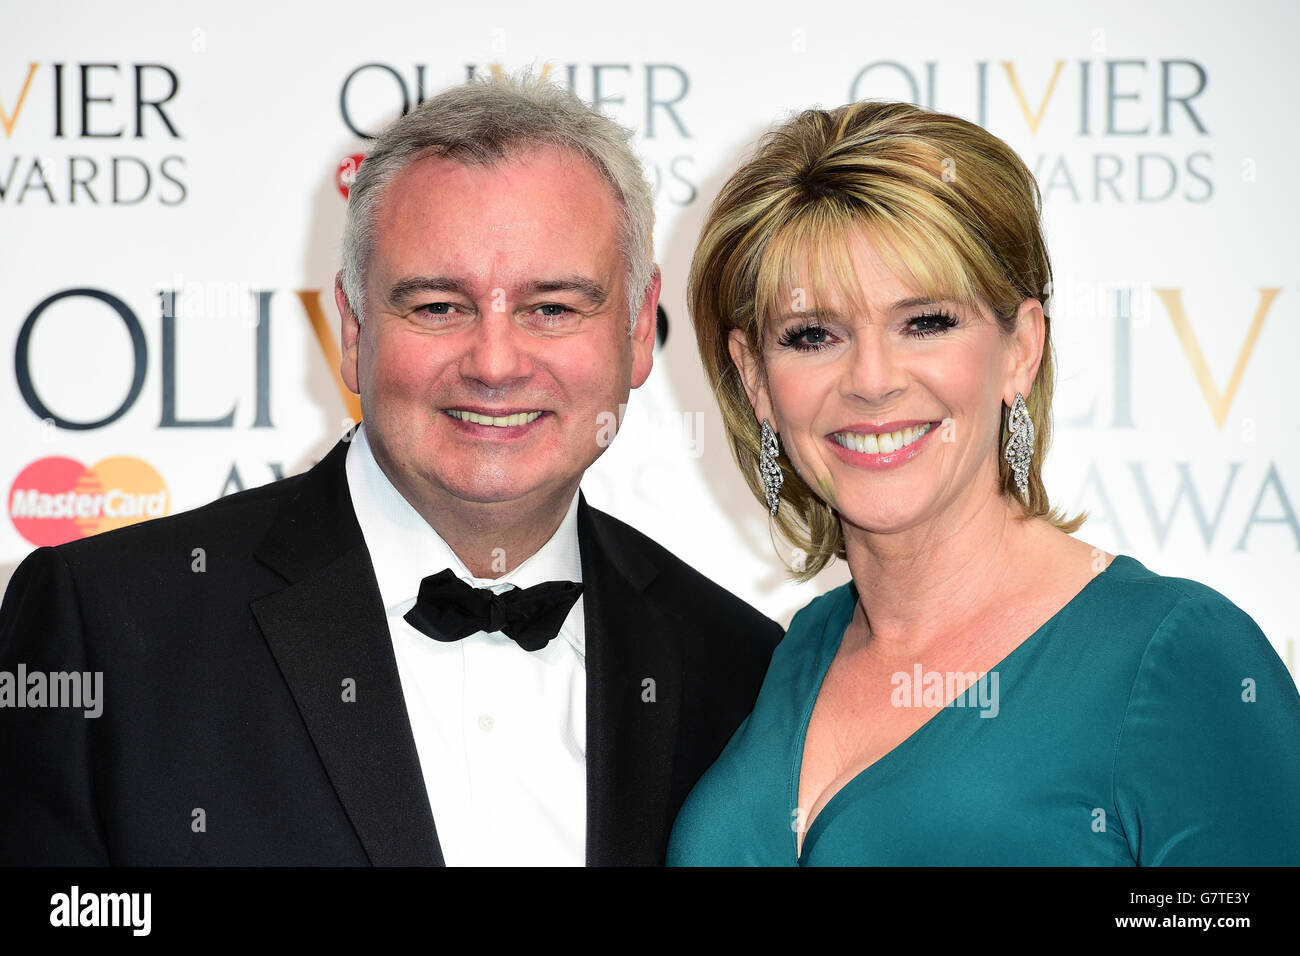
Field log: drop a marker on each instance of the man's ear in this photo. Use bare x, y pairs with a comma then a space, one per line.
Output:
643, 333
350, 339
751, 374
1026, 349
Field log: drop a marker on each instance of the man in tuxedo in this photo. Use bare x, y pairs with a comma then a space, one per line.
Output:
428, 648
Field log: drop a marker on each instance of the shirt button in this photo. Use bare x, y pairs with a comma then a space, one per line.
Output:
485, 723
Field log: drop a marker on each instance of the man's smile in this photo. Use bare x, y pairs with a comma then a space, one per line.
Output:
498, 419
497, 424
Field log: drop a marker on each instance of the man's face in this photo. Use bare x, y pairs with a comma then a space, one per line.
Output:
494, 349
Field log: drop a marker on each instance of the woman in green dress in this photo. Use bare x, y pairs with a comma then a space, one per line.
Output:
870, 297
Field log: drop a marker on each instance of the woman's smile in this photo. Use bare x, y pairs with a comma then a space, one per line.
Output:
883, 446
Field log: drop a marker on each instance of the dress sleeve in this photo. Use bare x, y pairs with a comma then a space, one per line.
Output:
1207, 761
48, 813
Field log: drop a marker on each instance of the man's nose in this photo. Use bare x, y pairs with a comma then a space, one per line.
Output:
497, 356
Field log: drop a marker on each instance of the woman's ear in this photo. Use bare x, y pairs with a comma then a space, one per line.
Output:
1026, 351
750, 366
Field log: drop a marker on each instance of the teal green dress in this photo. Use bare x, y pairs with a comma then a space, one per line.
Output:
1148, 723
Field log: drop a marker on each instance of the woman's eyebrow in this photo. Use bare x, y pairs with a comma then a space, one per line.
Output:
832, 315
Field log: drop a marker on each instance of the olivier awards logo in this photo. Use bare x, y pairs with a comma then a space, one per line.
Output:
97, 126
1097, 130
651, 98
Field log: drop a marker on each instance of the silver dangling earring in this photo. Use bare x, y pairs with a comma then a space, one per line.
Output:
768, 449
1020, 444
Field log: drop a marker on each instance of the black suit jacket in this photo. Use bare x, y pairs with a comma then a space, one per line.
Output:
225, 737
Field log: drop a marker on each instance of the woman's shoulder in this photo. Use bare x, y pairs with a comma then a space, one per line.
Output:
1142, 586
1189, 618
1129, 570
1204, 761
816, 614
814, 630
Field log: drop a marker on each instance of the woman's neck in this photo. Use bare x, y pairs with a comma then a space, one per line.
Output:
919, 587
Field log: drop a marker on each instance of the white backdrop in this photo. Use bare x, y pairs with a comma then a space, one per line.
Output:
1163, 140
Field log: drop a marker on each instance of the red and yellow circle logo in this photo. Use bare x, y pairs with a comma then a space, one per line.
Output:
55, 500
346, 173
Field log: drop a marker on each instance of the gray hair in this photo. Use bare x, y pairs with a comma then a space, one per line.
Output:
483, 123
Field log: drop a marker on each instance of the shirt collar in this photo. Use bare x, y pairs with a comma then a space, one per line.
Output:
404, 548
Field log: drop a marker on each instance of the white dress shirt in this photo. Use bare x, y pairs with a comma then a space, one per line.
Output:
501, 732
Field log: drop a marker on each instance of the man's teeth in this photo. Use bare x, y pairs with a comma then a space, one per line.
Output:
883, 443
500, 421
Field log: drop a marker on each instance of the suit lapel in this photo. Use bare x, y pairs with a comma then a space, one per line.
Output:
326, 628
634, 683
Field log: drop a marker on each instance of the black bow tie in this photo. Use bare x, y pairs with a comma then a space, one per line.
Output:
448, 609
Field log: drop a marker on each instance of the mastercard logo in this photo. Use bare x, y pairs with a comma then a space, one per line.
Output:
346, 173
55, 500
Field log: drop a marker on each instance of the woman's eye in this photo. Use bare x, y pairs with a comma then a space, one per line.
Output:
809, 338
934, 324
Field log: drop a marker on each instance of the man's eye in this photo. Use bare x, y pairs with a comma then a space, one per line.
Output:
553, 315
442, 315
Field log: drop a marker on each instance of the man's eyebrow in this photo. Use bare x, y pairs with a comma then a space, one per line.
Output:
407, 288
404, 289
589, 289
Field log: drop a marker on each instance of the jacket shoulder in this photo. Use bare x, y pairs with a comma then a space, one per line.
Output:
694, 595
233, 521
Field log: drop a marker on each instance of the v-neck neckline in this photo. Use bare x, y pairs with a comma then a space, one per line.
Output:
840, 620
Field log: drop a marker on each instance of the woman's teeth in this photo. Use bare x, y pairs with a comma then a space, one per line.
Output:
882, 443
500, 421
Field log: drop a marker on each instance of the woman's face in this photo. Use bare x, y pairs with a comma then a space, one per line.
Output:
891, 411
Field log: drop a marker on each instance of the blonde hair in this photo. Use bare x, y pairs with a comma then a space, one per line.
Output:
957, 213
